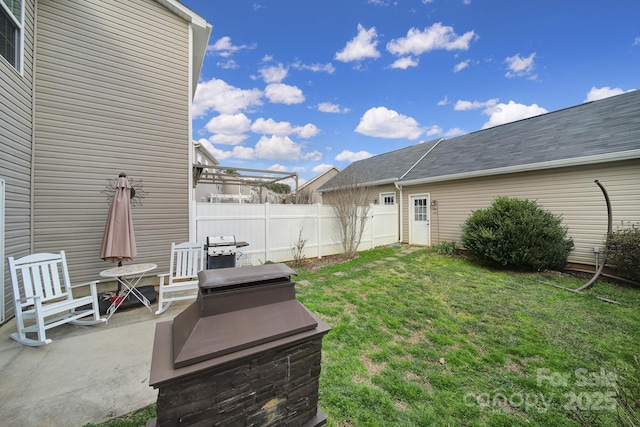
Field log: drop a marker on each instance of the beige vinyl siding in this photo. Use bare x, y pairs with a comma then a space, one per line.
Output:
15, 154
569, 191
113, 96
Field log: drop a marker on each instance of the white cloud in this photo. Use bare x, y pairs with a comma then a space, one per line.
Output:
444, 101
384, 123
229, 64
307, 131
321, 168
225, 139
274, 74
271, 127
437, 36
223, 47
517, 66
434, 130
328, 107
245, 153
350, 156
239, 152
316, 68
636, 41
461, 66
229, 124
217, 95
313, 156
277, 147
280, 93
405, 62
604, 92
506, 113
454, 132
278, 168
360, 47
474, 105
220, 154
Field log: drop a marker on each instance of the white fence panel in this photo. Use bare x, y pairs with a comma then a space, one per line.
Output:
273, 230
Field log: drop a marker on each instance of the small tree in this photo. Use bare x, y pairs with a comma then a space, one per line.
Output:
305, 197
349, 198
297, 250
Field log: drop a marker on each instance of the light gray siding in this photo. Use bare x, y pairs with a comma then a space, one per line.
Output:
15, 153
112, 96
569, 191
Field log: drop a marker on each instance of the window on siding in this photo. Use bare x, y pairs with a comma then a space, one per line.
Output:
388, 198
11, 29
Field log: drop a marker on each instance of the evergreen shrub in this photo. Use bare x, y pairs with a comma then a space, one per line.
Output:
518, 234
623, 251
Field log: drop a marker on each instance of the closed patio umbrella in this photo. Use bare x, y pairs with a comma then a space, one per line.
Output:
118, 241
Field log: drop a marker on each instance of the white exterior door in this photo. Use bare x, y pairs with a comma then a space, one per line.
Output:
419, 231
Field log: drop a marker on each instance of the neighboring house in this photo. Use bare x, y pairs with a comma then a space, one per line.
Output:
307, 193
553, 158
89, 89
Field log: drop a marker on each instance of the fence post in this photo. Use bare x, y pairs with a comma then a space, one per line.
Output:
319, 218
267, 237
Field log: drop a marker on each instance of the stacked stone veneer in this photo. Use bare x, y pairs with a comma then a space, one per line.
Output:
246, 353
278, 387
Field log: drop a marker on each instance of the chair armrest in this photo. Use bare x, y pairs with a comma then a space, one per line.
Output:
162, 276
94, 282
24, 300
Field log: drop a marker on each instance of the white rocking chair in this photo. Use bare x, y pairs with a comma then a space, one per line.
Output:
43, 294
187, 259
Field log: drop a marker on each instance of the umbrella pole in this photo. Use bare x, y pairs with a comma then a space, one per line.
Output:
119, 284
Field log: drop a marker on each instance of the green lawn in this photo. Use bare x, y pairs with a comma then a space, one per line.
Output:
420, 339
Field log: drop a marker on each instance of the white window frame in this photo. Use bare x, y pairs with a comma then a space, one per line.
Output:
384, 195
20, 45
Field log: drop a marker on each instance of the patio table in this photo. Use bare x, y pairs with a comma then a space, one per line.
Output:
129, 276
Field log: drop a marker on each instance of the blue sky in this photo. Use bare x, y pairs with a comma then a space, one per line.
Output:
300, 86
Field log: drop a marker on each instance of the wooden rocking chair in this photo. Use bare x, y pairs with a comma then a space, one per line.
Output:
187, 259
43, 294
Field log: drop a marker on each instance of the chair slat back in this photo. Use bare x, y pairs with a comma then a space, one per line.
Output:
43, 275
187, 259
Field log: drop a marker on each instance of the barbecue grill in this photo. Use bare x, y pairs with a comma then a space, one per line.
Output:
221, 251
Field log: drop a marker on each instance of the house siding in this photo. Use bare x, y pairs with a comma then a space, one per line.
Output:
15, 153
112, 96
570, 192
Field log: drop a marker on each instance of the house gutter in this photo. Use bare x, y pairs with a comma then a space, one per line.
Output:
586, 160
392, 180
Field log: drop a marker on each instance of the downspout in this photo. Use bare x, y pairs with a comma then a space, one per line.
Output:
32, 197
192, 226
399, 187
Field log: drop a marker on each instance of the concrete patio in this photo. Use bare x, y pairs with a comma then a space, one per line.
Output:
87, 374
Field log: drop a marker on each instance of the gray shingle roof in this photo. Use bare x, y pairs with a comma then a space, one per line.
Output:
388, 167
598, 128
574, 135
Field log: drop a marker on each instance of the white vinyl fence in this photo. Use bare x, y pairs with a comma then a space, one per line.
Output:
273, 229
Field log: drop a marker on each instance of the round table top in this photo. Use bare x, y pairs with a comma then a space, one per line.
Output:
128, 270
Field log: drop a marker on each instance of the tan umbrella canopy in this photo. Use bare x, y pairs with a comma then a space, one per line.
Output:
118, 241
